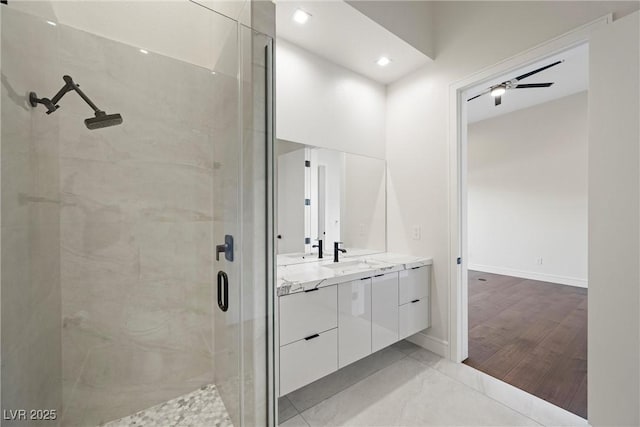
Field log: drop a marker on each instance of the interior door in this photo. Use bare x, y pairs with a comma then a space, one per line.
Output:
291, 208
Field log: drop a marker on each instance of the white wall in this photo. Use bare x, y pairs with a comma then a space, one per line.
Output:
325, 105
527, 192
614, 229
469, 36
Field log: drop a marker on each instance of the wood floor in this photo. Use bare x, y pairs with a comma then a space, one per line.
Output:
532, 335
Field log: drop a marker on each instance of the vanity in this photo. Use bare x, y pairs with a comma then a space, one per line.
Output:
331, 314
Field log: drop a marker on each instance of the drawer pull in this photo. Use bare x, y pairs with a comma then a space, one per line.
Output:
312, 289
415, 268
415, 300
366, 278
378, 275
310, 337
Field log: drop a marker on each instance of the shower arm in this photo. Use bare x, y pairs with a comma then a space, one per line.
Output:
52, 104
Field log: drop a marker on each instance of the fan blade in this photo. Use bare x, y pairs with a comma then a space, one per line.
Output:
530, 85
479, 95
498, 100
531, 73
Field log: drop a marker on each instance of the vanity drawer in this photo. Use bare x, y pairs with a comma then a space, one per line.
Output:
414, 317
414, 284
307, 360
306, 313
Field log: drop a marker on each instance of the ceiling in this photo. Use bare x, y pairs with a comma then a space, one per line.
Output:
572, 76
341, 34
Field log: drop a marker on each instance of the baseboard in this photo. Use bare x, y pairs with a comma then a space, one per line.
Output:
561, 280
433, 344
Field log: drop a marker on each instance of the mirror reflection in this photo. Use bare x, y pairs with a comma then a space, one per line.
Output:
327, 196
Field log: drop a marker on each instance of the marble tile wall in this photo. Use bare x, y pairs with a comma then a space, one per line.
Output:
30, 229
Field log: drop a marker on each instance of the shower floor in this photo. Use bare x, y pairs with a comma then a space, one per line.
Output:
202, 407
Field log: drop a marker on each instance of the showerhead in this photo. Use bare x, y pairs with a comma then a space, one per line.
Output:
103, 120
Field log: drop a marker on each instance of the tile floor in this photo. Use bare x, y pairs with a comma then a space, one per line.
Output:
200, 408
407, 385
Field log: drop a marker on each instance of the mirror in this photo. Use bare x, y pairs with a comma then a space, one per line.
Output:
329, 195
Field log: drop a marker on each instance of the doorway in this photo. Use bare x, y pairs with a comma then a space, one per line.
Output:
461, 292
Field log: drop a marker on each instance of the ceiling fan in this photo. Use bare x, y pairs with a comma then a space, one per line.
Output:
498, 90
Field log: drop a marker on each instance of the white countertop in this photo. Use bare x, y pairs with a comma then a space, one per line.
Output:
293, 278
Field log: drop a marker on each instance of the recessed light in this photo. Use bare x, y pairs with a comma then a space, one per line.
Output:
144, 51
52, 23
383, 61
498, 91
300, 16
213, 72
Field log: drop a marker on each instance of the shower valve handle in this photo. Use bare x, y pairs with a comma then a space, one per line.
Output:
226, 248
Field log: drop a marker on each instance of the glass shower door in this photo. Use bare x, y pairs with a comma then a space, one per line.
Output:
134, 273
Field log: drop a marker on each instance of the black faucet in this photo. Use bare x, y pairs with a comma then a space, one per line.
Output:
336, 249
319, 246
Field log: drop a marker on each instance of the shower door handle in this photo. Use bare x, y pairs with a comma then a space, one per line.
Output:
223, 291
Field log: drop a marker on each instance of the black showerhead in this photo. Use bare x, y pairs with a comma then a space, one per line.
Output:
103, 120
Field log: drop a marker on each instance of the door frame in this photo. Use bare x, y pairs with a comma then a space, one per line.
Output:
457, 142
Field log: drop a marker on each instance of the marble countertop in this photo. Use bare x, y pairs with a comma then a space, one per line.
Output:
295, 278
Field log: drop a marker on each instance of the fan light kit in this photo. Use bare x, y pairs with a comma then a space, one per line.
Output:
498, 90
300, 16
383, 61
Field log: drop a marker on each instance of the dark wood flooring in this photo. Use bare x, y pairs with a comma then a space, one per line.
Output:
532, 335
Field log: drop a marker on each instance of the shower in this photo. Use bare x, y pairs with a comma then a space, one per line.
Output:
101, 119
109, 271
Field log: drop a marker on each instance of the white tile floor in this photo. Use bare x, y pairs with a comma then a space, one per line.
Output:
410, 386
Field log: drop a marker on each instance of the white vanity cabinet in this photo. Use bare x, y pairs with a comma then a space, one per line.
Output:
326, 328
384, 310
413, 300
354, 321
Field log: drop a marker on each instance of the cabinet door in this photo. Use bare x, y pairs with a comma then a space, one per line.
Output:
354, 321
414, 317
414, 284
384, 310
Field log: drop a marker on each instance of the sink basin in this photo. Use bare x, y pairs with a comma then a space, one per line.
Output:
355, 265
348, 265
297, 255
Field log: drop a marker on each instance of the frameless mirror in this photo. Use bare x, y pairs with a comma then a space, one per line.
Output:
330, 196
